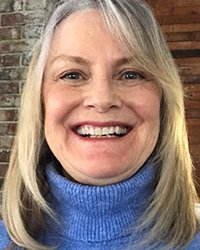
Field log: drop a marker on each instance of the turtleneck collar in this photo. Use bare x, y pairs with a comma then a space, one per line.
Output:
99, 213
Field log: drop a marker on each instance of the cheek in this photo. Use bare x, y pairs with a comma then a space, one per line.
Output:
146, 103
57, 104
54, 109
56, 112
151, 115
151, 109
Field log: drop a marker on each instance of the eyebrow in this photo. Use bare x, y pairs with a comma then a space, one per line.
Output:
80, 60
121, 61
76, 59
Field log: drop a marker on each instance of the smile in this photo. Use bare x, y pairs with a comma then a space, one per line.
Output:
102, 132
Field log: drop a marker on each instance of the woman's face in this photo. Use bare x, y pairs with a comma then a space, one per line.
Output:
101, 113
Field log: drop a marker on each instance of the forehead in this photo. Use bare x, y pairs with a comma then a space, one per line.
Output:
84, 32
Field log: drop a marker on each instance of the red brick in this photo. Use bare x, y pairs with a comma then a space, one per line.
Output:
22, 83
192, 92
10, 33
193, 126
14, 19
187, 10
4, 46
4, 155
192, 104
184, 45
193, 113
183, 36
160, 4
185, 2
189, 70
9, 87
3, 168
191, 79
196, 158
7, 128
188, 61
1, 184
194, 139
10, 60
188, 27
6, 142
9, 100
178, 19
8, 114
195, 149
17, 45
14, 73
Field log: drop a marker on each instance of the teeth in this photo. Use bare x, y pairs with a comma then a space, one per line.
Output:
105, 131
117, 130
91, 131
111, 130
87, 130
97, 131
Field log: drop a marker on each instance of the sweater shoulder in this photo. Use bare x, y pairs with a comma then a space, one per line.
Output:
195, 243
4, 237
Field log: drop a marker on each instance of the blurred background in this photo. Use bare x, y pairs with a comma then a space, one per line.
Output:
21, 23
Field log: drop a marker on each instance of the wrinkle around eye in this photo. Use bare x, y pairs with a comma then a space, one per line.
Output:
73, 78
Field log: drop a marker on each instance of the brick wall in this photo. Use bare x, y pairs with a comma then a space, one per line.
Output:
20, 27
21, 24
180, 21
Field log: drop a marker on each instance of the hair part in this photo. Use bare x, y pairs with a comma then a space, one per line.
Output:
135, 28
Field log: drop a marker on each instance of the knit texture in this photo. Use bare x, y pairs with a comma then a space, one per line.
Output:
96, 217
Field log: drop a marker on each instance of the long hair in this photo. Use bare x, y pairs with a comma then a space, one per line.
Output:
170, 217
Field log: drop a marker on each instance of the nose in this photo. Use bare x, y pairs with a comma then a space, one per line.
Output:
102, 97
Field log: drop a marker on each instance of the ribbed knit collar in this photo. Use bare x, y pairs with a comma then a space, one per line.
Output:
99, 213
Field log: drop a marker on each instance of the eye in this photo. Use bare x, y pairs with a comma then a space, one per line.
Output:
71, 76
131, 75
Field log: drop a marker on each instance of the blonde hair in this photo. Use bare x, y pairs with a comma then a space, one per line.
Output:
170, 217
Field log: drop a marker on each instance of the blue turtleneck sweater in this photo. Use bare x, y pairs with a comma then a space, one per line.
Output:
96, 217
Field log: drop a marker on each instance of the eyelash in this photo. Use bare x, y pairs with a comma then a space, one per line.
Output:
67, 75
77, 76
136, 75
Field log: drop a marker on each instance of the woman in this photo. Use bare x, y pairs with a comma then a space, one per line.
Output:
101, 158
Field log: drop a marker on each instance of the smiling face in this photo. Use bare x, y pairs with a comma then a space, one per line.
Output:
101, 113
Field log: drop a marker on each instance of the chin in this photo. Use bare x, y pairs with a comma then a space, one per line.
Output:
98, 175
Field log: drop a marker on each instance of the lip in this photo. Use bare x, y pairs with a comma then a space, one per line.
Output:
74, 128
